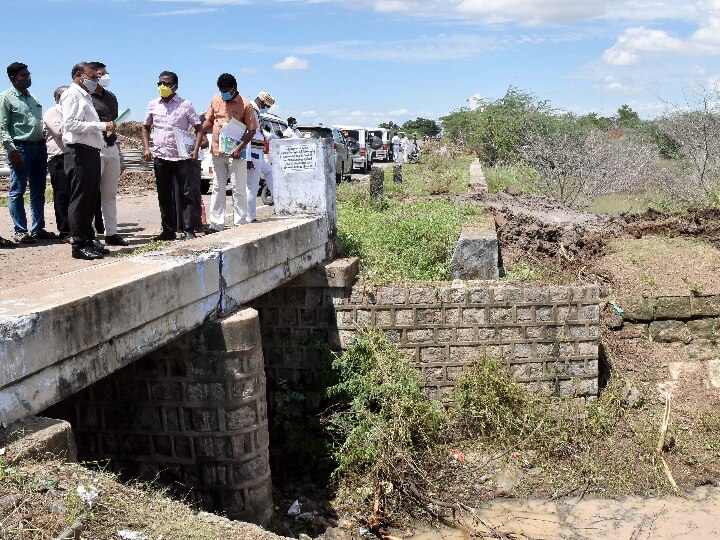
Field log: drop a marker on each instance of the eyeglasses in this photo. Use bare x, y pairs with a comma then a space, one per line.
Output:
163, 83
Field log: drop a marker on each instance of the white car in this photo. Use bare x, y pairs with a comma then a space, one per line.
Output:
379, 141
360, 150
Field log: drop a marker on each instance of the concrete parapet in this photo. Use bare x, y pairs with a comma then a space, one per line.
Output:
64, 333
191, 415
376, 183
38, 437
397, 174
477, 177
476, 254
338, 273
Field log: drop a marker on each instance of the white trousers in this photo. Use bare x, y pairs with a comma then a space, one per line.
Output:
261, 167
109, 178
404, 153
396, 153
225, 167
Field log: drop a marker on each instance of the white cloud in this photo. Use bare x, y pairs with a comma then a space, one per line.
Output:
612, 84
398, 112
190, 11
292, 63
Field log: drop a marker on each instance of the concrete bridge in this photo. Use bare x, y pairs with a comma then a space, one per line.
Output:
62, 334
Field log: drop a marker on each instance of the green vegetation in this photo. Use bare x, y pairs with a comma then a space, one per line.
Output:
516, 176
153, 245
406, 237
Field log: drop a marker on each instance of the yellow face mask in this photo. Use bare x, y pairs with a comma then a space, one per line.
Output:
165, 91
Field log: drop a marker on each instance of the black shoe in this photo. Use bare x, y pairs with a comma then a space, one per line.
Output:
85, 253
96, 246
189, 235
210, 230
165, 235
116, 240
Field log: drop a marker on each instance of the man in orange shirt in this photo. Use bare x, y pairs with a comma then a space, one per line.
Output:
227, 105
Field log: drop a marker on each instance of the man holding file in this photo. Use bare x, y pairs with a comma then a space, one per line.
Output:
233, 121
164, 115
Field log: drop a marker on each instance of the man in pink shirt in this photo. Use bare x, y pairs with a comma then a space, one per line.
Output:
164, 114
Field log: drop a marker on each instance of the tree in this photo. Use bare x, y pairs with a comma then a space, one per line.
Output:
627, 118
422, 126
390, 126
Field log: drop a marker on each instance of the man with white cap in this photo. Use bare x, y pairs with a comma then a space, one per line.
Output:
257, 164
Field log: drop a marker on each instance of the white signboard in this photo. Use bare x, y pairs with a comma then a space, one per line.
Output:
301, 157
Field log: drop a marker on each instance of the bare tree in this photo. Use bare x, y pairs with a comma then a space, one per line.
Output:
575, 166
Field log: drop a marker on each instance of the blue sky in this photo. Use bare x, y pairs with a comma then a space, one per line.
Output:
366, 61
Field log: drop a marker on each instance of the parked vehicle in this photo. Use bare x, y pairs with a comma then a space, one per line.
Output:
343, 159
379, 142
360, 152
269, 123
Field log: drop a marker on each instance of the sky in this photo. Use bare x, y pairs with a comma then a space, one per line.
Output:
362, 62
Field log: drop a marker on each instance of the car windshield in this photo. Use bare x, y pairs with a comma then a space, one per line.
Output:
315, 133
351, 133
375, 133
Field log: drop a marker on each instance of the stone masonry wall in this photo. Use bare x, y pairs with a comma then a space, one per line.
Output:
689, 325
547, 336
191, 415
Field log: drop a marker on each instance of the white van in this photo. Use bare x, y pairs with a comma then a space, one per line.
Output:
359, 149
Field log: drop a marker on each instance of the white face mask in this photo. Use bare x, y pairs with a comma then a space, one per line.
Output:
105, 80
90, 85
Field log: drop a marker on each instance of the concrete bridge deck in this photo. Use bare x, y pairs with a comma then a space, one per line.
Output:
63, 333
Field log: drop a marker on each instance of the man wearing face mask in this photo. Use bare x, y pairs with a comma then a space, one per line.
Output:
171, 169
292, 132
83, 138
226, 105
24, 143
106, 105
257, 164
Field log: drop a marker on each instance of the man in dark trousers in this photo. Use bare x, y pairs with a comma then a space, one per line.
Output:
52, 122
106, 105
82, 135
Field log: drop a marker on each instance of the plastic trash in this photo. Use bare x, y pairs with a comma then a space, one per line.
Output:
294, 509
88, 494
132, 535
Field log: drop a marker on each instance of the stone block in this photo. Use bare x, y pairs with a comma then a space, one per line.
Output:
672, 307
475, 255
397, 174
474, 315
705, 306
419, 336
376, 183
241, 418
422, 295
404, 317
238, 332
432, 355
500, 315
708, 328
454, 294
480, 295
669, 332
392, 295
465, 334
38, 436
340, 273
429, 316
638, 309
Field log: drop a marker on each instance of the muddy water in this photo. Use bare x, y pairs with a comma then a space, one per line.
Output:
695, 516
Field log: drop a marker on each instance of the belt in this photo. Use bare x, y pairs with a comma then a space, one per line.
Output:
34, 143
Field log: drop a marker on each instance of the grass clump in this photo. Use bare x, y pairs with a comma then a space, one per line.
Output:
387, 432
516, 176
401, 241
436, 174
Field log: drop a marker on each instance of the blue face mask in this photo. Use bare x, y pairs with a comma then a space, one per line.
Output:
227, 96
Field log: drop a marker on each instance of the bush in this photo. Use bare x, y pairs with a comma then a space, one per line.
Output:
387, 431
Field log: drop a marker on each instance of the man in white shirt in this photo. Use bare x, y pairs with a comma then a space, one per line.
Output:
257, 164
404, 146
396, 148
292, 132
52, 123
82, 135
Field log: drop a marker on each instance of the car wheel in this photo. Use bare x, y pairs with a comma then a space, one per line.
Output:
266, 197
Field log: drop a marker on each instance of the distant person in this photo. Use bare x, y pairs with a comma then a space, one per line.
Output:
172, 171
404, 146
24, 143
257, 164
230, 163
83, 138
106, 105
52, 122
292, 132
396, 148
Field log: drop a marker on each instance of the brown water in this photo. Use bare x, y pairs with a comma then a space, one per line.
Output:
696, 516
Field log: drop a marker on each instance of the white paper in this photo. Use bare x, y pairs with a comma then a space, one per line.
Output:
233, 129
185, 142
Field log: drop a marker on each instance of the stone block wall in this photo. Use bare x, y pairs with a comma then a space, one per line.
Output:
688, 324
547, 336
191, 415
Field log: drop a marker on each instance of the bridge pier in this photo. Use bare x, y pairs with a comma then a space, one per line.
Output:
191, 415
